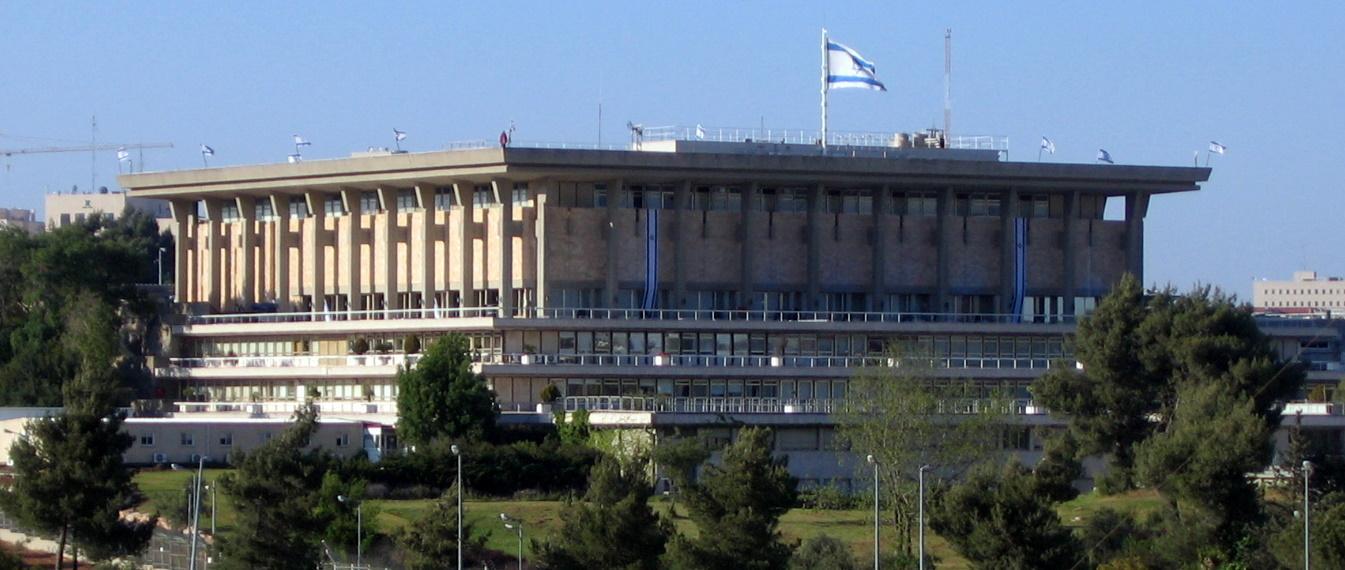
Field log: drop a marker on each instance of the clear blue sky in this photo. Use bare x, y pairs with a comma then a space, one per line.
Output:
1149, 81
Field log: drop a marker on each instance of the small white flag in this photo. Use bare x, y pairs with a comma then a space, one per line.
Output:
700, 132
207, 151
1047, 145
847, 69
399, 135
299, 141
1104, 156
122, 155
1217, 148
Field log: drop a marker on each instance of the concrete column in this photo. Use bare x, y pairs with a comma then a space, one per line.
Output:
539, 228
614, 190
315, 247
681, 203
946, 211
878, 251
466, 234
184, 212
746, 257
247, 241
280, 206
350, 248
1070, 256
213, 285
504, 240
425, 199
815, 205
1008, 212
387, 263
1137, 206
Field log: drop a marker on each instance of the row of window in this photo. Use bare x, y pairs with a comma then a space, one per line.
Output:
226, 439
369, 203
793, 344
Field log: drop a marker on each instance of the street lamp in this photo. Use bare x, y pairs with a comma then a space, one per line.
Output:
212, 489
160, 264
874, 463
921, 520
516, 525
457, 452
1307, 538
196, 512
359, 528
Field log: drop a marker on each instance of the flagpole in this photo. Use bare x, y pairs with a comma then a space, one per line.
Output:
1207, 157
826, 69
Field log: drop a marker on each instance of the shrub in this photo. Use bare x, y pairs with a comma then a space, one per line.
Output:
550, 393
359, 346
411, 344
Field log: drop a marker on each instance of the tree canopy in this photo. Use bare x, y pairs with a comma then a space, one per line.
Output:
613, 527
998, 520
442, 397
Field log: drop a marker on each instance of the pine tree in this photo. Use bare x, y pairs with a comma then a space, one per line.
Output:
823, 552
432, 543
442, 397
614, 527
737, 507
997, 520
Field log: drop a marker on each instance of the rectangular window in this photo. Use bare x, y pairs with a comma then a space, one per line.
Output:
298, 207
333, 207
520, 196
483, 196
343, 440
187, 439
919, 204
444, 198
228, 213
369, 203
599, 195
406, 200
147, 440
226, 439
263, 211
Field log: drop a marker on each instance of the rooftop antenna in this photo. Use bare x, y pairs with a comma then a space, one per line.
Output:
636, 135
93, 155
947, 83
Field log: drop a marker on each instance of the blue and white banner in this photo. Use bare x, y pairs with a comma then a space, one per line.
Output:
1019, 266
847, 69
650, 260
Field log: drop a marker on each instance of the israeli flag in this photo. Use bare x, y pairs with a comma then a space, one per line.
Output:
1104, 156
1048, 145
847, 69
399, 135
299, 141
206, 150
1217, 148
122, 155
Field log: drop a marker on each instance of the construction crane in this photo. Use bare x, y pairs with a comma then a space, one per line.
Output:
90, 148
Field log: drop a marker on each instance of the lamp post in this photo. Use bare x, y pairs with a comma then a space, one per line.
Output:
196, 512
516, 525
874, 463
359, 528
160, 264
212, 488
921, 520
457, 452
1307, 538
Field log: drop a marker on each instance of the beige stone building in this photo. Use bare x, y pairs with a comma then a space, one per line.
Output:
63, 209
1306, 293
25, 220
683, 283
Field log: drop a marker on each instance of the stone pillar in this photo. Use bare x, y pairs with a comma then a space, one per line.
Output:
542, 288
466, 234
184, 213
1137, 206
878, 251
816, 202
946, 211
350, 248
614, 191
425, 199
1070, 253
746, 258
247, 241
681, 203
387, 263
280, 206
1008, 213
504, 240
315, 247
212, 278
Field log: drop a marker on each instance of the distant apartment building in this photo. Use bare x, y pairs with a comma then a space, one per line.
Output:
20, 218
65, 209
1306, 294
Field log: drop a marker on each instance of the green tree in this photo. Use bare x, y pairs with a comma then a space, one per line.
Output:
442, 397
997, 520
823, 552
737, 507
905, 417
272, 491
69, 474
342, 531
572, 428
1059, 467
613, 527
432, 543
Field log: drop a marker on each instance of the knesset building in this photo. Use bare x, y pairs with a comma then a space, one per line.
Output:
678, 284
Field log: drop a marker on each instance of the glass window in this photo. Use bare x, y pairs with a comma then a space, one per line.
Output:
520, 194
602, 342
187, 439
263, 210
483, 196
298, 207
369, 203
444, 198
567, 342
228, 213
757, 344
406, 200
332, 206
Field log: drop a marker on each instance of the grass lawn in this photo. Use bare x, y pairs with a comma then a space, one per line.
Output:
159, 484
542, 518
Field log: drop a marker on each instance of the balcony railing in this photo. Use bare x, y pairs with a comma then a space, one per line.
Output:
757, 405
630, 314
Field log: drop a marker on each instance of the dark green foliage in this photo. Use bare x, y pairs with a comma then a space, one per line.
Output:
550, 393
341, 517
614, 527
176, 507
679, 458
442, 397
572, 428
1109, 534
272, 490
359, 346
1054, 476
997, 520
411, 344
736, 507
823, 552
69, 474
548, 467
432, 543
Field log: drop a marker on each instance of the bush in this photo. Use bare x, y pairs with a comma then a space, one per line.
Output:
823, 552
359, 346
829, 498
550, 393
411, 344
550, 468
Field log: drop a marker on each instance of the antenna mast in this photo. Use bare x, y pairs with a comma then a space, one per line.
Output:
947, 83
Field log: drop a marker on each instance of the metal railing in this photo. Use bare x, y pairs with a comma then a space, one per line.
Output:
287, 407
298, 361
329, 316
767, 405
808, 137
